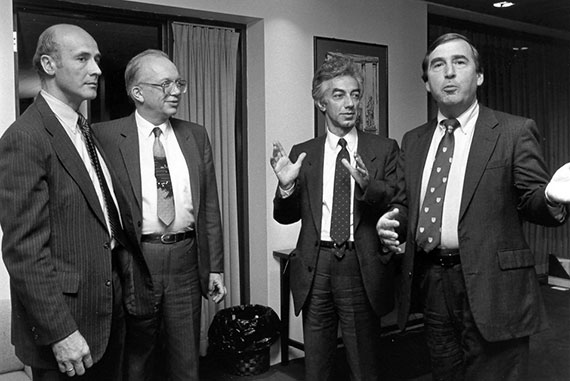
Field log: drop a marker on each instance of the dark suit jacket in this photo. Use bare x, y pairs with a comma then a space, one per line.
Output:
56, 243
119, 140
379, 155
504, 184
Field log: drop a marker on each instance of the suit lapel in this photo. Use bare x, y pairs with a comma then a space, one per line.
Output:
366, 152
129, 147
314, 179
189, 149
484, 140
416, 157
69, 157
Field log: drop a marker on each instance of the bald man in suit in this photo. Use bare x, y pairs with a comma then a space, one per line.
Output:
63, 244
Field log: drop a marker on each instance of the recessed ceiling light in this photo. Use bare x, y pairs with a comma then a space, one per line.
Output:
503, 4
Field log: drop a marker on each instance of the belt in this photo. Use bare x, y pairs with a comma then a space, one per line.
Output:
167, 238
348, 245
443, 257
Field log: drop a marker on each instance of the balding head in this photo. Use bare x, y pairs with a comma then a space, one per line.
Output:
50, 44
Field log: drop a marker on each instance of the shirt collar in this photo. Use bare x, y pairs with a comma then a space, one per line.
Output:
65, 113
351, 140
464, 119
145, 127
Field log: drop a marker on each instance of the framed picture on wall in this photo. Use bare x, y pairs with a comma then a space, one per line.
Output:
373, 61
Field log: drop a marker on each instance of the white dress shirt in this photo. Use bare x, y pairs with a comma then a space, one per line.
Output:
68, 119
329, 164
452, 202
179, 176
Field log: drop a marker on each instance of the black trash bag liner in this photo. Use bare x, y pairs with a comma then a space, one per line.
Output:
243, 329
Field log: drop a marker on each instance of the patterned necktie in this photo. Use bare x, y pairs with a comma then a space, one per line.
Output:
340, 217
111, 209
165, 196
428, 235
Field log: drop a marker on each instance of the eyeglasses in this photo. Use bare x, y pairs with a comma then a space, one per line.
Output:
168, 86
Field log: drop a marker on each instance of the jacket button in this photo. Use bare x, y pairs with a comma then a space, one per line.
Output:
108, 283
317, 243
107, 245
139, 224
310, 269
410, 274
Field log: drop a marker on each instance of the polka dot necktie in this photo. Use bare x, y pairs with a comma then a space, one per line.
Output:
110, 208
340, 217
164, 194
428, 235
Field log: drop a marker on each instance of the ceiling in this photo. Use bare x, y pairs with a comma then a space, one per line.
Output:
553, 14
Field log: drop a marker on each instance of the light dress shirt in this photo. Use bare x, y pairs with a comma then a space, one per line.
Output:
179, 176
68, 119
329, 164
452, 202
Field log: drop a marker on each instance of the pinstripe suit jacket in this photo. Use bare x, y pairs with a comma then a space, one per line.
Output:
504, 184
119, 140
56, 243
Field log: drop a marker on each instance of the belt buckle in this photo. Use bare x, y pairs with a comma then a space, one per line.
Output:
168, 238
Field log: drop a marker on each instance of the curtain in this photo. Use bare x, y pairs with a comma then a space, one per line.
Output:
207, 58
529, 76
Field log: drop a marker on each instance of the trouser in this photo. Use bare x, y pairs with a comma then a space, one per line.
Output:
338, 296
165, 345
457, 349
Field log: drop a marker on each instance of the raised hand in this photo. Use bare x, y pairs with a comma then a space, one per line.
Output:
558, 189
285, 170
359, 172
386, 228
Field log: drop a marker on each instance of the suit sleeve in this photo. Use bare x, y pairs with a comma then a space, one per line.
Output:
531, 177
381, 188
212, 209
25, 219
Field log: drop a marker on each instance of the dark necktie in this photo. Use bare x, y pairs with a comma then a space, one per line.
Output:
111, 209
428, 235
340, 216
165, 196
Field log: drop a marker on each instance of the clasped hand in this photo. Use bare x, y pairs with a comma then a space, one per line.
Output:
72, 354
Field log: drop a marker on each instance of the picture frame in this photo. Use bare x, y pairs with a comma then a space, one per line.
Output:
373, 60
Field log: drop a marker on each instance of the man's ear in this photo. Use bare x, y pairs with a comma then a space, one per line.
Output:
136, 94
48, 64
322, 106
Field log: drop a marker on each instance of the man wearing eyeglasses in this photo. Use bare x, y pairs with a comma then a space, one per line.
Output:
165, 166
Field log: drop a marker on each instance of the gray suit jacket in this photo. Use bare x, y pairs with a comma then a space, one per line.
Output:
119, 140
56, 243
504, 184
379, 155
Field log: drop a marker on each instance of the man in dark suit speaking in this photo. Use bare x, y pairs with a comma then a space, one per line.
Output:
466, 180
165, 166
63, 243
338, 185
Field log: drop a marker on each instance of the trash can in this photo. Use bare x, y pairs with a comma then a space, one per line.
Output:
241, 337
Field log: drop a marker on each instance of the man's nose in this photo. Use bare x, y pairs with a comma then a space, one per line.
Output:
94, 68
450, 71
